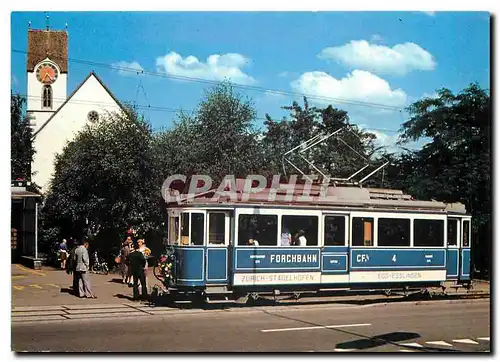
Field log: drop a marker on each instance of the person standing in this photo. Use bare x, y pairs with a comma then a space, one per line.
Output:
82, 271
71, 267
124, 260
137, 264
63, 254
146, 252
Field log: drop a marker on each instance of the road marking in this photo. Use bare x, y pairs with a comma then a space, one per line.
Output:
36, 286
465, 340
54, 285
484, 339
439, 343
19, 276
316, 327
17, 287
31, 271
413, 344
343, 350
405, 350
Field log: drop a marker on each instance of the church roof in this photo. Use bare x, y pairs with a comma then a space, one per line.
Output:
52, 44
72, 94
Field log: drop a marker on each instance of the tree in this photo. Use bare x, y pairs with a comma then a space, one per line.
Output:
455, 166
217, 140
22, 150
105, 180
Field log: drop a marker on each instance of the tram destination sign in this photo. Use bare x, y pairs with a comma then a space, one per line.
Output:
271, 259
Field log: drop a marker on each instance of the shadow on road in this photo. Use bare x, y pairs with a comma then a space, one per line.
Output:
376, 341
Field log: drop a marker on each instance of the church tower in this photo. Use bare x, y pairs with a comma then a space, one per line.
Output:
47, 68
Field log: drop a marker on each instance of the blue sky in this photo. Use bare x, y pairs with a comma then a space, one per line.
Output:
389, 58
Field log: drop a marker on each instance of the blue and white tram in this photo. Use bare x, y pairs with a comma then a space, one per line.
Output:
359, 239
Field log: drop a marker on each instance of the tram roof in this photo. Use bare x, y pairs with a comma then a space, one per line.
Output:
331, 196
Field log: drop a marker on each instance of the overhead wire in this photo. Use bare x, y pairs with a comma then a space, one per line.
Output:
214, 82
158, 108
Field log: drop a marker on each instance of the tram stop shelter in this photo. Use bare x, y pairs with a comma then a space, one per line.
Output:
24, 225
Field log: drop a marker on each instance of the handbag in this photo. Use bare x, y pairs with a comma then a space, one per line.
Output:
118, 259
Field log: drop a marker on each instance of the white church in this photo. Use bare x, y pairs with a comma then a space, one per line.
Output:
55, 116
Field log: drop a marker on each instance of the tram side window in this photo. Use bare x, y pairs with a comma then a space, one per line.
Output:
173, 231
452, 232
362, 231
466, 231
197, 228
428, 232
216, 228
393, 232
262, 228
334, 231
299, 230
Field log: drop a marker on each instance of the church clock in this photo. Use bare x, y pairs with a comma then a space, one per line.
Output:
46, 73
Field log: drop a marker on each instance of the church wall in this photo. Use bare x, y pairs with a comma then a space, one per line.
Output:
91, 96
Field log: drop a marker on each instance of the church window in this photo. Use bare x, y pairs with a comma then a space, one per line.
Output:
93, 116
47, 97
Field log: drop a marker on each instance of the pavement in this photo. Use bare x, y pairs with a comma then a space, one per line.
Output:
424, 326
51, 287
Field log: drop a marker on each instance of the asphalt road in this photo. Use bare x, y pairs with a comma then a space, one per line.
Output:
426, 326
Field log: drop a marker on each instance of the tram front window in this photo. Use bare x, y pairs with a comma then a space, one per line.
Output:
192, 227
257, 230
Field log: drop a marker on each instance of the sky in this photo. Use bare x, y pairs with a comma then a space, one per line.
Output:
351, 60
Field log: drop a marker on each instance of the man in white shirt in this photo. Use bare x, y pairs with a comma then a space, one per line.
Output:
302, 241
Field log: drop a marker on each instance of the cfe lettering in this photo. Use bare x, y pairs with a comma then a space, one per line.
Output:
362, 258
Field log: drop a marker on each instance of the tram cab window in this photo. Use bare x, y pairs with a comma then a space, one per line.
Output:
362, 231
299, 230
261, 228
428, 232
192, 228
334, 231
216, 228
452, 232
393, 232
466, 233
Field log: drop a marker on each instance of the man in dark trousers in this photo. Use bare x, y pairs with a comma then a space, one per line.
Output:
137, 263
71, 267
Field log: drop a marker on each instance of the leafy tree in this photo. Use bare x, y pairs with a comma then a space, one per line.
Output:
217, 140
456, 164
22, 150
105, 180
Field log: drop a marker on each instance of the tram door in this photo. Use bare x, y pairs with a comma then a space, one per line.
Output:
217, 247
453, 249
465, 260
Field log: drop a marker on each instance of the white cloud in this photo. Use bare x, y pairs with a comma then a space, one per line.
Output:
14, 80
376, 38
217, 67
430, 13
127, 68
359, 85
400, 59
274, 95
284, 74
